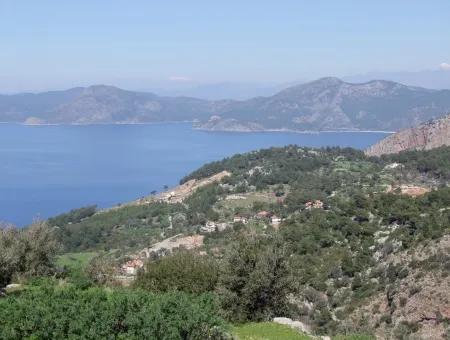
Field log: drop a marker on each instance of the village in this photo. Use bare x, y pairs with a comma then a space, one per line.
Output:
240, 213
267, 218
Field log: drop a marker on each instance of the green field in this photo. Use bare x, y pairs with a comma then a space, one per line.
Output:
267, 331
75, 260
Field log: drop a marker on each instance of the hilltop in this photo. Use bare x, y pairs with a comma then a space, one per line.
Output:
324, 104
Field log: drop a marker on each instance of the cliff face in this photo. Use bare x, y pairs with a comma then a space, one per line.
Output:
426, 136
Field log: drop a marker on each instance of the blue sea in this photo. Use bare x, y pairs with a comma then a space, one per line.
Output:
47, 170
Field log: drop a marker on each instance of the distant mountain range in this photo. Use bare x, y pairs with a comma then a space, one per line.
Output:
220, 91
324, 104
426, 136
433, 79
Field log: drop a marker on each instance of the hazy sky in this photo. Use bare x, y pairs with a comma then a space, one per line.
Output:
47, 44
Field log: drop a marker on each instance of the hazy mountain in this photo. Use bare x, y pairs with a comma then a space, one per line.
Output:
219, 91
432, 79
324, 104
429, 135
100, 104
331, 104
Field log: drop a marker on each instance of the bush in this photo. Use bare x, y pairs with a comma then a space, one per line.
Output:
253, 283
50, 312
404, 329
184, 271
26, 252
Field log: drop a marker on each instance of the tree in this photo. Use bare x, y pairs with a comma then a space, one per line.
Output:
183, 271
253, 283
26, 252
9, 261
101, 270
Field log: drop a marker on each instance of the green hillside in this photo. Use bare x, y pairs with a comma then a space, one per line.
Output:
344, 243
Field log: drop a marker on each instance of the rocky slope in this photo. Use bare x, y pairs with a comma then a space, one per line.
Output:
418, 302
324, 104
426, 136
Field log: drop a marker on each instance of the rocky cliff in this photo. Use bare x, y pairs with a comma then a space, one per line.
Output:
429, 135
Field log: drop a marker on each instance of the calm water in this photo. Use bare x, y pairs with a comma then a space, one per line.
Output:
46, 170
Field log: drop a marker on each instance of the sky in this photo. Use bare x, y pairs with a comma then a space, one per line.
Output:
58, 44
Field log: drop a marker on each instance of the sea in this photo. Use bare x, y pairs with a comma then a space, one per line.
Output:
50, 169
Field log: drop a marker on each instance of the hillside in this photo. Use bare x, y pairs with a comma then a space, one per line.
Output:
324, 104
350, 235
429, 135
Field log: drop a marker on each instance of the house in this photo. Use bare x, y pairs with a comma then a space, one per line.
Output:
131, 267
317, 204
209, 227
276, 221
241, 219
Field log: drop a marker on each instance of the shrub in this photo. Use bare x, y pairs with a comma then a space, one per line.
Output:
184, 271
26, 252
253, 283
404, 329
50, 312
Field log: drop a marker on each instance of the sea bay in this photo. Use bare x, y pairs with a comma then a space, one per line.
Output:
47, 170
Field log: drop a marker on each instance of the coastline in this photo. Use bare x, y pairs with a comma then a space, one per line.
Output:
293, 131
203, 129
97, 123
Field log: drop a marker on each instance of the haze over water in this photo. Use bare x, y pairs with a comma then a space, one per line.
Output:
47, 170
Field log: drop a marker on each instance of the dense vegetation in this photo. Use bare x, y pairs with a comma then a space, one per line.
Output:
123, 227
435, 162
183, 271
73, 216
48, 311
26, 253
321, 265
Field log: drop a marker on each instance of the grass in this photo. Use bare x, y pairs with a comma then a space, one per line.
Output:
267, 331
75, 260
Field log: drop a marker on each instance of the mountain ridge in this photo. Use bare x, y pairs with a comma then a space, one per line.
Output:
325, 104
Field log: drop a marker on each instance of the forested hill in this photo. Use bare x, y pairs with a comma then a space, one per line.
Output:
287, 162
324, 104
339, 241
357, 241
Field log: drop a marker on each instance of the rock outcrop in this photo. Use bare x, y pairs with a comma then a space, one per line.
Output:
429, 135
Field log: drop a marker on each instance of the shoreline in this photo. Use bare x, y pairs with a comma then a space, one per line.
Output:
296, 131
203, 129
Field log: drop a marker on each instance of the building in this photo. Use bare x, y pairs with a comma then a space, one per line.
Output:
276, 221
241, 219
209, 227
